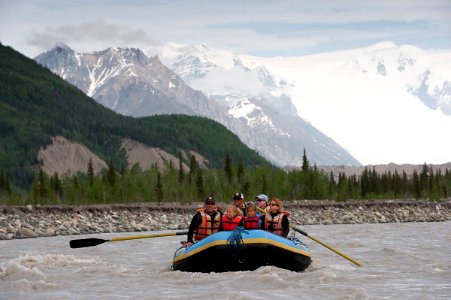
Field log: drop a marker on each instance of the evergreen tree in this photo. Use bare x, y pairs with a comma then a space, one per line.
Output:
159, 188
192, 168
111, 174
416, 185
424, 179
332, 186
228, 168
245, 187
90, 172
2, 180
200, 183
123, 169
305, 162
42, 185
264, 184
56, 185
181, 174
404, 185
240, 171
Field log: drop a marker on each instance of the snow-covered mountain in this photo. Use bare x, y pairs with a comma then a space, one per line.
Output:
384, 103
257, 110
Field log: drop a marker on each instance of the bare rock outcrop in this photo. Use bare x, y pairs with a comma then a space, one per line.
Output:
66, 157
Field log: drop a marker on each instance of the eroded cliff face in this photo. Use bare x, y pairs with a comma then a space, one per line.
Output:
67, 157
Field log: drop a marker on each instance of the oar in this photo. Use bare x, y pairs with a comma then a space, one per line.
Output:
318, 241
325, 245
81, 243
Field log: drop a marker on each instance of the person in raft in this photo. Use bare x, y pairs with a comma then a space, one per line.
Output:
238, 201
251, 220
276, 219
231, 219
206, 221
262, 204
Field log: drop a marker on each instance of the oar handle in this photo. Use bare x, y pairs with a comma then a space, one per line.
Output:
147, 236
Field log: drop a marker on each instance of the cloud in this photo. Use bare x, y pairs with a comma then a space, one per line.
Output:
98, 32
255, 27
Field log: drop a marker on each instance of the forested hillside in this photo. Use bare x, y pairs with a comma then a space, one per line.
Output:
36, 105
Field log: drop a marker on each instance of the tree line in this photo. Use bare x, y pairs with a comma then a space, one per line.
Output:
178, 184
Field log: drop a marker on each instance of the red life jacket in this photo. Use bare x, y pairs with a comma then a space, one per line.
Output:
274, 224
228, 224
208, 226
251, 222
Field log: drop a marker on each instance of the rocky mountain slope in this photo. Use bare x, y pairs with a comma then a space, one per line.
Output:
130, 83
42, 113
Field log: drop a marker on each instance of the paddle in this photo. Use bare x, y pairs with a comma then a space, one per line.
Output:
325, 245
318, 241
90, 242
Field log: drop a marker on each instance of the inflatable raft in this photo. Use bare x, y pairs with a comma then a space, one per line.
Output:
242, 250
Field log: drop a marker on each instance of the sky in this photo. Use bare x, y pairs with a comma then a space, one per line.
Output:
259, 28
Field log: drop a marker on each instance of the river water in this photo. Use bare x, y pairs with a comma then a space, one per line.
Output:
400, 261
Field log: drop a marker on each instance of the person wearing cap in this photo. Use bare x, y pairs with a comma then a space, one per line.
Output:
238, 201
276, 219
206, 221
261, 203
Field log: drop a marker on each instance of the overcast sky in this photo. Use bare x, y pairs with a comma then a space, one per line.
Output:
261, 28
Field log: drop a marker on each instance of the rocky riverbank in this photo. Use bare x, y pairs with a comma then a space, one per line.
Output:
40, 221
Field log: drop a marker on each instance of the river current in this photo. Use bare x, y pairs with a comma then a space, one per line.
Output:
400, 261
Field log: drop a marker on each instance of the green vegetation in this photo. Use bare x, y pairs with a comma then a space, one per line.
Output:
36, 105
178, 185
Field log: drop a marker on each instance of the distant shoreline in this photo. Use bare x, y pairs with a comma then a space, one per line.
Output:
41, 221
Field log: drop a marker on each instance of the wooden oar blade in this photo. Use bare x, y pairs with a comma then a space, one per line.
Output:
91, 242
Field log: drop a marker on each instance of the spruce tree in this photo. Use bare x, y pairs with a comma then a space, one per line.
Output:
200, 183
42, 185
159, 188
192, 168
305, 162
228, 168
264, 184
111, 174
56, 185
90, 172
2, 180
240, 171
181, 174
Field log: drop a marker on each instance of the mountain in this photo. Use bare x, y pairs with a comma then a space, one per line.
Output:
39, 110
384, 103
130, 83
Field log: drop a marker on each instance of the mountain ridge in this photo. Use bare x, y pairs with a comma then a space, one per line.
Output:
37, 105
151, 90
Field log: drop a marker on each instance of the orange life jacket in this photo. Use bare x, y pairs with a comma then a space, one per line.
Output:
208, 226
251, 222
228, 224
274, 224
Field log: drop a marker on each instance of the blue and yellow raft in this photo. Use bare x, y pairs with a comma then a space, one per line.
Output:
242, 250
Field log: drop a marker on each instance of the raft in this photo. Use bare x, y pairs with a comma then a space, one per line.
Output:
242, 250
